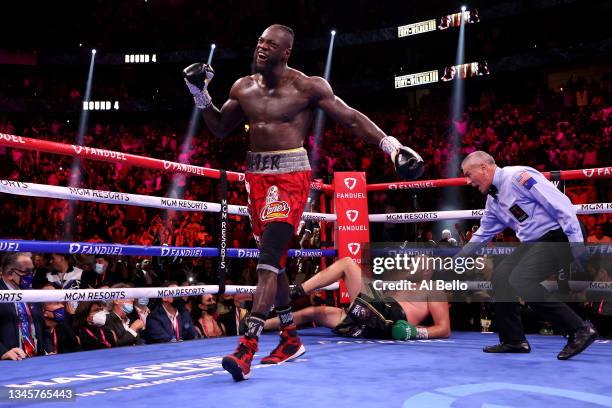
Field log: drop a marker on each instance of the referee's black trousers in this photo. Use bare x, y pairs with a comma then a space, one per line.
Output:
520, 274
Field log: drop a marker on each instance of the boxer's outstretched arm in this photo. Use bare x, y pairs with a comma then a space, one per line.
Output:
408, 163
222, 121
441, 328
358, 123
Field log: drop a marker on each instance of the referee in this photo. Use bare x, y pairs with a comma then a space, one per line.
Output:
545, 222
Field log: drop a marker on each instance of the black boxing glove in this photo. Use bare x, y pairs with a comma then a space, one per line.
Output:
197, 76
296, 291
408, 163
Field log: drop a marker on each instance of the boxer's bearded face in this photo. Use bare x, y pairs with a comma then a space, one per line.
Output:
271, 50
265, 60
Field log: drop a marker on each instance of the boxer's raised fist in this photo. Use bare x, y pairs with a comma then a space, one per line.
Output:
197, 76
408, 163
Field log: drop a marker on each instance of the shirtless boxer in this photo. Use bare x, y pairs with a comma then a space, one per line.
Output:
279, 103
419, 306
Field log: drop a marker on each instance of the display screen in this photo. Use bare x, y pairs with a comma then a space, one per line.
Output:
420, 78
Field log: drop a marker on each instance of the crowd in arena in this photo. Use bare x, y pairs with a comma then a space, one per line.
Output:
571, 129
568, 130
60, 327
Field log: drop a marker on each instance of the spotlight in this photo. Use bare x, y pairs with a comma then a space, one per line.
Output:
80, 44
213, 46
333, 32
93, 51
463, 8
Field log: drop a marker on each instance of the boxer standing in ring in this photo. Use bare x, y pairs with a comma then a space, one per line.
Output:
279, 103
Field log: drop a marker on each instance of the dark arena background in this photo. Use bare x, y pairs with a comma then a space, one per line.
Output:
129, 265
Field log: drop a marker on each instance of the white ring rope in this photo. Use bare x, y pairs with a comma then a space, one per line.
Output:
552, 286
103, 295
433, 216
112, 197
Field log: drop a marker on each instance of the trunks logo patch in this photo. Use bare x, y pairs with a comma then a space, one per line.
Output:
274, 208
526, 180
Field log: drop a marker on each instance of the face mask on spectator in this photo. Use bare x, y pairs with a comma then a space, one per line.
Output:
178, 303
99, 269
143, 301
26, 282
127, 308
99, 318
59, 315
25, 278
211, 309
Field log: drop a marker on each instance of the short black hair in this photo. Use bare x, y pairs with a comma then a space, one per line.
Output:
286, 29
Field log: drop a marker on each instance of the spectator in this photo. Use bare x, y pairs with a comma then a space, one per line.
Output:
232, 322
41, 268
117, 232
90, 327
99, 276
141, 306
598, 236
204, 313
146, 276
469, 234
447, 239
170, 321
126, 329
59, 336
21, 324
63, 274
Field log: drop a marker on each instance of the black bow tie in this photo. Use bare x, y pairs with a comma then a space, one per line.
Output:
493, 191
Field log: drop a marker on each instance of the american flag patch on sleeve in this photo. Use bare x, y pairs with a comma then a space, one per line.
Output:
525, 179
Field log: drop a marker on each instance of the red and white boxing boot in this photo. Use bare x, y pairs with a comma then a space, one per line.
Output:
238, 364
289, 348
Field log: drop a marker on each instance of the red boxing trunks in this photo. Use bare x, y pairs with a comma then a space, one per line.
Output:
278, 184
